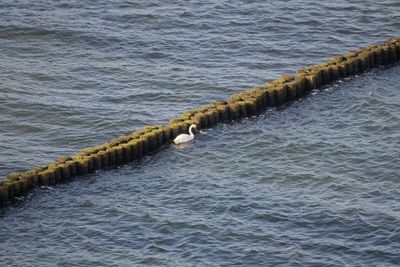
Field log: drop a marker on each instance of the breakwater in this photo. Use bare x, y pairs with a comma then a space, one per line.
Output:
248, 103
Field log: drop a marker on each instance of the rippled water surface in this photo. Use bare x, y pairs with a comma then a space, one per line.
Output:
312, 184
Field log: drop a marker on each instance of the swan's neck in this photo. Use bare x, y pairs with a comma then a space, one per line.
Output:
191, 130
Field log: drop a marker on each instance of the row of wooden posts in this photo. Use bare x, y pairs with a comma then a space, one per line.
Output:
127, 148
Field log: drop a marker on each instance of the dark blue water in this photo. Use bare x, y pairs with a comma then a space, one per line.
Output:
313, 184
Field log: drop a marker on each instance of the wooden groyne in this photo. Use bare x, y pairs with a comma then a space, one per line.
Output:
253, 101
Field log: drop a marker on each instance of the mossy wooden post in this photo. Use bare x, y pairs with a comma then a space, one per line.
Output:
3, 193
183, 126
199, 120
250, 97
28, 178
349, 67
264, 102
392, 53
83, 166
13, 179
175, 130
111, 156
152, 140
258, 97
378, 56
270, 94
233, 108
356, 65
126, 152
166, 134
385, 55
24, 181
203, 118
134, 145
44, 178
371, 58
342, 70
57, 172
119, 159
291, 91
213, 117
251, 106
10, 188
326, 73
280, 94
319, 75
52, 177
97, 161
242, 109
17, 188
353, 65
73, 167
223, 111
362, 62
301, 86
34, 178
366, 55
215, 114
159, 136
104, 159
140, 145
208, 118
69, 170
145, 149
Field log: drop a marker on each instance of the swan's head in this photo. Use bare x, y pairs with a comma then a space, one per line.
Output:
193, 126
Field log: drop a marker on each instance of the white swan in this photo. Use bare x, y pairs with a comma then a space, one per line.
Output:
184, 138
